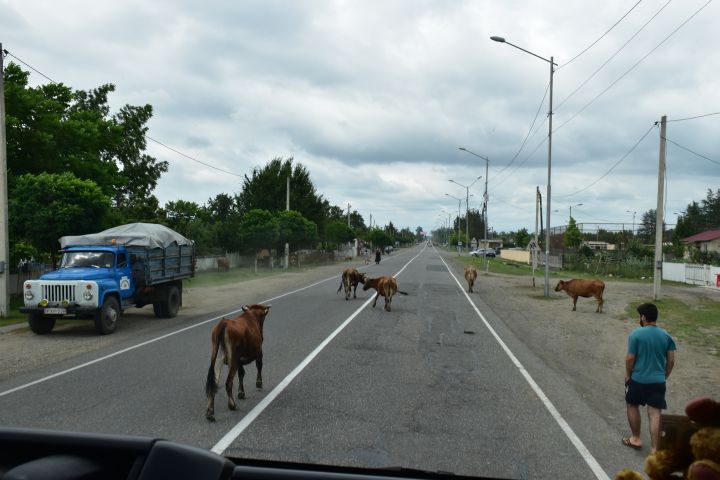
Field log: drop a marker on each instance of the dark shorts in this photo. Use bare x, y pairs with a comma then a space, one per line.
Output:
652, 394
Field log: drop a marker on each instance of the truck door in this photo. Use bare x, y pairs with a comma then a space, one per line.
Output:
123, 275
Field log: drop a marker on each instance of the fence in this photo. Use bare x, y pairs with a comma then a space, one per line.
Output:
706, 275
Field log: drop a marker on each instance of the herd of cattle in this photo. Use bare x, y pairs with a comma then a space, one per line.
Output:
240, 339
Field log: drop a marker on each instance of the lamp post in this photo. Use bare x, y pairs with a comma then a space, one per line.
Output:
485, 204
549, 161
628, 211
458, 227
467, 209
571, 206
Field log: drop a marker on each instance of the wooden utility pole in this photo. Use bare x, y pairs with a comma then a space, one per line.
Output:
4, 242
657, 277
287, 207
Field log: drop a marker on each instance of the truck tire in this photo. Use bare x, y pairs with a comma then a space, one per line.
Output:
173, 302
168, 308
39, 324
107, 318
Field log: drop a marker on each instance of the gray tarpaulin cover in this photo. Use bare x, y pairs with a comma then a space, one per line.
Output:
149, 235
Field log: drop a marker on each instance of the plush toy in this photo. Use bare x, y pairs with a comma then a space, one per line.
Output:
698, 459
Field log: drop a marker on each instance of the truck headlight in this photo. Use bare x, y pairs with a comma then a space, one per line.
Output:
29, 295
87, 295
44, 302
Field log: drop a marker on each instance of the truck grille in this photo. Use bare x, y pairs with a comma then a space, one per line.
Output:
57, 293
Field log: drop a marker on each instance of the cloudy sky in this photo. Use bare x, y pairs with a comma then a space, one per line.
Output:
374, 97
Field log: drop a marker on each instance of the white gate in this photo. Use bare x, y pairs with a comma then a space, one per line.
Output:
697, 274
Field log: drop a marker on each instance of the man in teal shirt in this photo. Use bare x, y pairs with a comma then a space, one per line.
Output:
650, 359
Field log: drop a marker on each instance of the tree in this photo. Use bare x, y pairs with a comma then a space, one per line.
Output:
48, 206
573, 235
258, 229
337, 233
296, 230
522, 238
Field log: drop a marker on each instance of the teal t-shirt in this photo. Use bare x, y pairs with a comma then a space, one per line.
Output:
650, 345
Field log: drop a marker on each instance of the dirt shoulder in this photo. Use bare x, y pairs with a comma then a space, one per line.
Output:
589, 348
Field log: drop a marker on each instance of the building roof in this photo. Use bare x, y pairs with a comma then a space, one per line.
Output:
705, 236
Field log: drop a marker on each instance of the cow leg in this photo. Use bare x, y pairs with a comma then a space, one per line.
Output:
229, 382
388, 302
241, 377
575, 297
355, 291
600, 305
258, 380
376, 297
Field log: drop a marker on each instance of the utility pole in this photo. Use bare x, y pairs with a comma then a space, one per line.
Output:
349, 214
657, 277
4, 242
538, 214
287, 207
485, 209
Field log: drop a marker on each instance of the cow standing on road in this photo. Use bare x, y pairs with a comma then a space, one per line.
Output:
470, 276
385, 286
350, 279
240, 340
583, 288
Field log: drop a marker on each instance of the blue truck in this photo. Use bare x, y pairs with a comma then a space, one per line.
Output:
103, 274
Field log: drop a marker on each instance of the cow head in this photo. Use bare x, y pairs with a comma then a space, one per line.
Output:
362, 277
560, 286
258, 309
369, 283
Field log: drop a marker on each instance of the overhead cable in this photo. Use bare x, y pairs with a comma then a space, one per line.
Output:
694, 153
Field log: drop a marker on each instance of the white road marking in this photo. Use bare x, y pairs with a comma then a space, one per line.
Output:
235, 432
574, 439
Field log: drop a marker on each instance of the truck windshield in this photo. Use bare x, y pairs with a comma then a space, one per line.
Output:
88, 259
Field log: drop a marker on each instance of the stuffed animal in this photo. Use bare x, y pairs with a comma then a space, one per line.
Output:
697, 460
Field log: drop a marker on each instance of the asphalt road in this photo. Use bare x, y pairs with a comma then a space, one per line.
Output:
439, 383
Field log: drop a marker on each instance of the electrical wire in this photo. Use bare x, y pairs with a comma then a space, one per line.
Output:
632, 67
694, 153
693, 118
600, 37
146, 136
611, 56
613, 167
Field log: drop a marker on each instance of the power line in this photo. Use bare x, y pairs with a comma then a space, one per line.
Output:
632, 67
601, 36
612, 56
146, 136
693, 118
611, 168
694, 153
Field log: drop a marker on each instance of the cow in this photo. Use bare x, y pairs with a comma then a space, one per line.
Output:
583, 288
385, 286
350, 279
240, 340
470, 276
223, 264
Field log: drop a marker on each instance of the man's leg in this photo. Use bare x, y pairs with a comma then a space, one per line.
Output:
654, 419
633, 414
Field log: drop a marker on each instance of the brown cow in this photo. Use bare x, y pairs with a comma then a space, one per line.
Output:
223, 264
470, 276
583, 288
385, 286
350, 279
240, 340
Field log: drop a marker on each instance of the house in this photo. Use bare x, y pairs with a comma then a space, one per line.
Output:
707, 241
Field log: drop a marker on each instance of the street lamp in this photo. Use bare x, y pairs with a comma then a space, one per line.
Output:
458, 227
628, 211
485, 204
577, 205
467, 208
549, 161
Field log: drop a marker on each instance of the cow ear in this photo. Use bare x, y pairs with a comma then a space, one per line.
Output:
267, 309
245, 308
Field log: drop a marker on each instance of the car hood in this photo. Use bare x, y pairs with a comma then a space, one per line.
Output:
77, 274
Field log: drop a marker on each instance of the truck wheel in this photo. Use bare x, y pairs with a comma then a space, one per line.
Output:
173, 302
39, 324
158, 310
106, 319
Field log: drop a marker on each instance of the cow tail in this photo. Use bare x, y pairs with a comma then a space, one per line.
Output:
211, 386
401, 292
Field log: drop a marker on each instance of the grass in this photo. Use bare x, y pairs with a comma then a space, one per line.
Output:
14, 315
697, 324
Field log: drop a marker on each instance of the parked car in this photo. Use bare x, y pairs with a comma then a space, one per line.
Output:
480, 252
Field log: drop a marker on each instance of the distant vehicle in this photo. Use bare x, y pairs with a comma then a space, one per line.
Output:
479, 252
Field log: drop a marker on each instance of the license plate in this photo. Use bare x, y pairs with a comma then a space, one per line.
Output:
55, 311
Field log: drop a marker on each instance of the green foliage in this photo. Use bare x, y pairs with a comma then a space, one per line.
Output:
258, 229
296, 230
48, 206
522, 238
379, 238
337, 232
586, 251
573, 236
635, 248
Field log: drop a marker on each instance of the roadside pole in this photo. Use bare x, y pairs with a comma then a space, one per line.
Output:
657, 277
4, 242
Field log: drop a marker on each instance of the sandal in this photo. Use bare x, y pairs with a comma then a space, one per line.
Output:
626, 442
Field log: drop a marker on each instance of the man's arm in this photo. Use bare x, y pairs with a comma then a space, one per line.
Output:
629, 364
670, 363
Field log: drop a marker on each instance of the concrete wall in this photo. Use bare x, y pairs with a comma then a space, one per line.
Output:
522, 256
